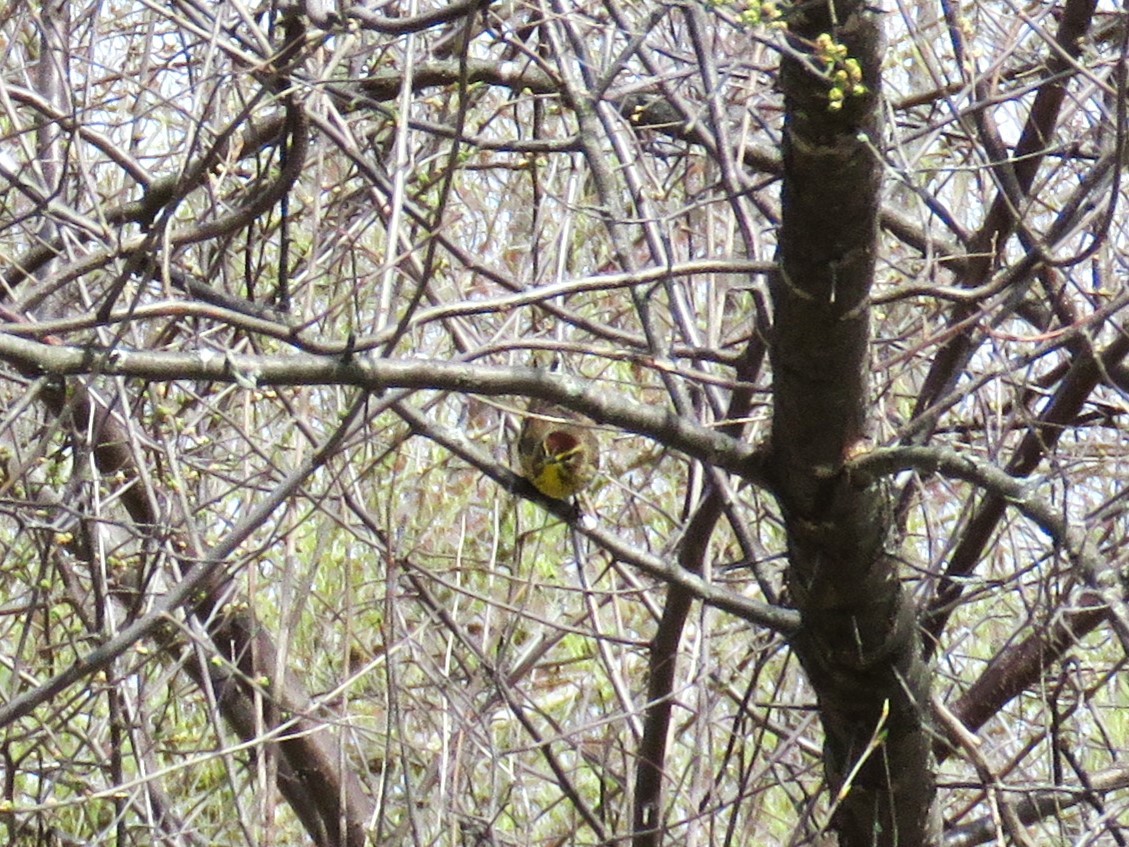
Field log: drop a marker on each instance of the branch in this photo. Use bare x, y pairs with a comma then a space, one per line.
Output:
383, 85
186, 589
415, 23
674, 574
373, 374
325, 796
1090, 568
887, 461
1039, 805
1023, 664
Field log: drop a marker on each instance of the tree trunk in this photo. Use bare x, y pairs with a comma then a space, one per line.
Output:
858, 642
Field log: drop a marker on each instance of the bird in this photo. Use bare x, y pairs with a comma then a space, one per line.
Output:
558, 450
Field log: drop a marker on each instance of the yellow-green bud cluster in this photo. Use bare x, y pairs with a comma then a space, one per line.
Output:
755, 12
844, 72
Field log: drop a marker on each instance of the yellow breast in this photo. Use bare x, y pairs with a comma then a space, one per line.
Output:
556, 480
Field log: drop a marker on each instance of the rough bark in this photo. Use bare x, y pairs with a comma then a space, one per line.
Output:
858, 642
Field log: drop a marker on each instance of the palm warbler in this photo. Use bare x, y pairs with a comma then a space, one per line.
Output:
558, 450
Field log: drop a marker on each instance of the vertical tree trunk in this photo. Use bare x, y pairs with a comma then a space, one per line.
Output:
858, 642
